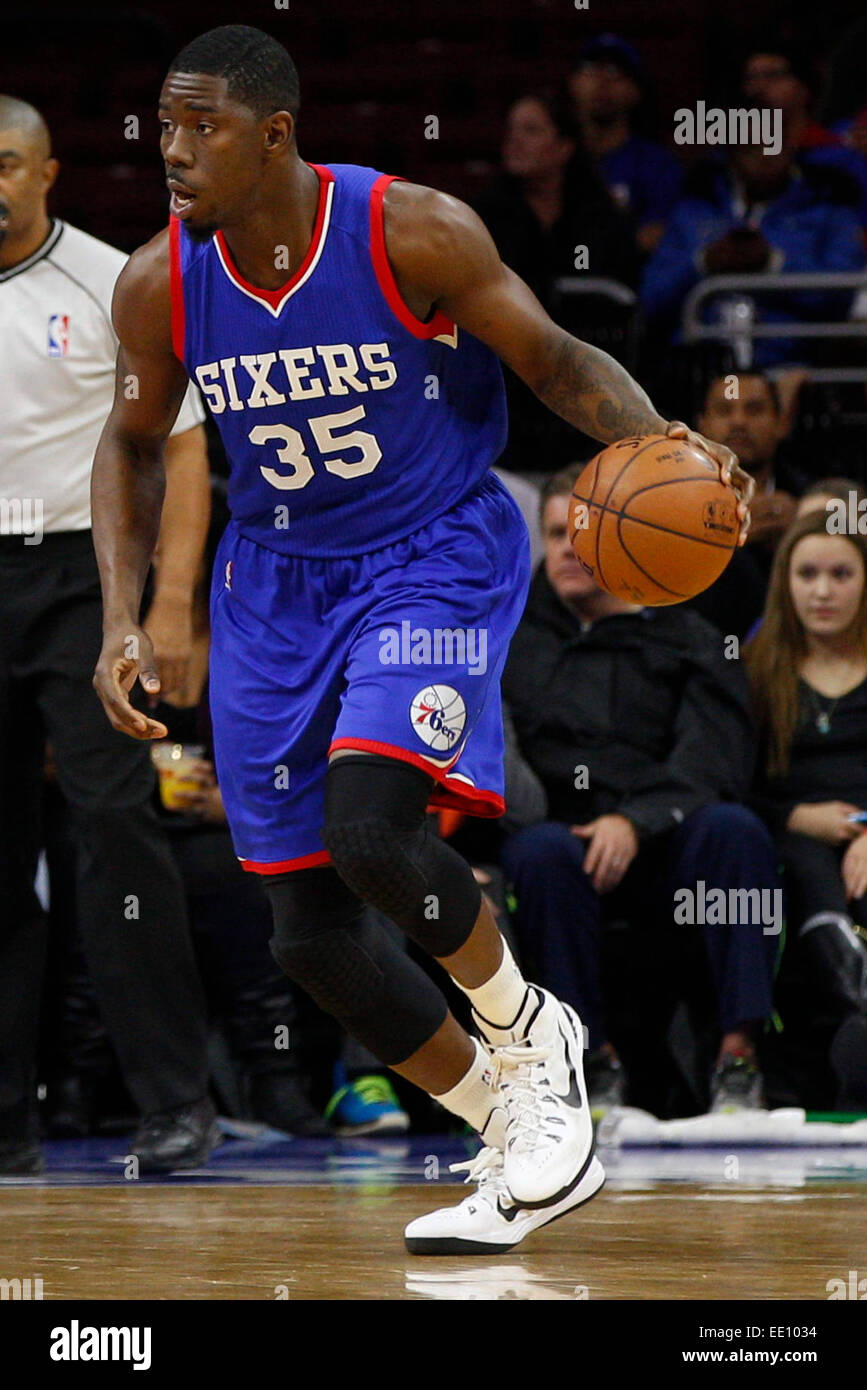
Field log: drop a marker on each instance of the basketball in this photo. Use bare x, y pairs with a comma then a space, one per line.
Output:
651, 521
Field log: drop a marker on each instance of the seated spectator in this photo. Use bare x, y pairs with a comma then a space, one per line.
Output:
808, 666
816, 498
549, 198
785, 78
751, 423
819, 494
640, 733
756, 212
607, 89
546, 204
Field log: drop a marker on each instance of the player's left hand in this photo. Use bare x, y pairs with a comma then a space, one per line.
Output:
854, 867
169, 624
730, 470
612, 848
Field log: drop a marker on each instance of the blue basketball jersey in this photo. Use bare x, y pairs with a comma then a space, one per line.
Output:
348, 422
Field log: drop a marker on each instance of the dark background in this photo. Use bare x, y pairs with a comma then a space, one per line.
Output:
370, 73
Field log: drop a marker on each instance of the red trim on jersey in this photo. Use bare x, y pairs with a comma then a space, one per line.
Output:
273, 297
287, 866
440, 323
452, 792
176, 289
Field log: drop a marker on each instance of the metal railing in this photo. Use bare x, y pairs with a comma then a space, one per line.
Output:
746, 330
596, 284
620, 297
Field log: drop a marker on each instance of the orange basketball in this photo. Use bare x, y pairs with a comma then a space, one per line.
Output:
651, 521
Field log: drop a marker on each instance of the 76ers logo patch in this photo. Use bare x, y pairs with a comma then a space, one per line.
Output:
438, 715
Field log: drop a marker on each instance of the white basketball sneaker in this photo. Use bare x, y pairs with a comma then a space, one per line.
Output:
540, 1074
489, 1222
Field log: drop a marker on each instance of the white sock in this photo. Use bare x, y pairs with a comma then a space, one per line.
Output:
501, 1000
474, 1098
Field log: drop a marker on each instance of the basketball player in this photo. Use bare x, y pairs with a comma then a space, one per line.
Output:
345, 327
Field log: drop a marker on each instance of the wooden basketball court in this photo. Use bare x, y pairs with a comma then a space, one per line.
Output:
297, 1223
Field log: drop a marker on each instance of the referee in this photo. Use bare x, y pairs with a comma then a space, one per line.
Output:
57, 366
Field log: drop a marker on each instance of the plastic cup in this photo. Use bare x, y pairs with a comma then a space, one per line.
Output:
174, 763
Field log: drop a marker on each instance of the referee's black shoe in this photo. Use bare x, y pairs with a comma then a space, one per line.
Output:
181, 1138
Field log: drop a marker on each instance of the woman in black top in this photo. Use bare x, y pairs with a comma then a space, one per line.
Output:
808, 666
551, 215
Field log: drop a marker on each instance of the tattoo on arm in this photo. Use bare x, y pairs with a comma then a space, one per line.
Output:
595, 394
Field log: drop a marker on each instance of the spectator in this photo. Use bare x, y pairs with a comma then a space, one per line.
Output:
819, 494
547, 203
816, 497
640, 733
757, 212
743, 411
607, 89
785, 78
808, 666
548, 199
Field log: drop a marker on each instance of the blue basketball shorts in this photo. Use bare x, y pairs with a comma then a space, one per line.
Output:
398, 651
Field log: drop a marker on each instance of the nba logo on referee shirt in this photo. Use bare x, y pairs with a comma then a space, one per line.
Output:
58, 335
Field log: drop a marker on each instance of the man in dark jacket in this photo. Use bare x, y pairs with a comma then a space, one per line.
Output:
640, 731
745, 412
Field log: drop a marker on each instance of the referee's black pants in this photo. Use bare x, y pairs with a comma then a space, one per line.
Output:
131, 905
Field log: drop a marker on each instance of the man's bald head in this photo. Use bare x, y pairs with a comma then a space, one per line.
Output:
21, 118
27, 172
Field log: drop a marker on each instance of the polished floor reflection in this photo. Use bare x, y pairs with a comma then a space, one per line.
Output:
273, 1218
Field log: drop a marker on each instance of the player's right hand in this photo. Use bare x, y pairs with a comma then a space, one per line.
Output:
731, 473
127, 655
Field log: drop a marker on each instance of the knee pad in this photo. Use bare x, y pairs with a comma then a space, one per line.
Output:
325, 940
380, 842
